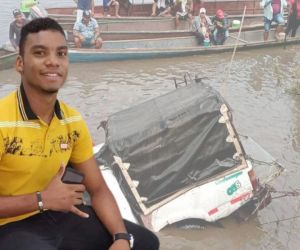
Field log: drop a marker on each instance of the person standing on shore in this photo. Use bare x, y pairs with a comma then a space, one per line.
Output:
293, 18
39, 135
273, 11
26, 6
15, 28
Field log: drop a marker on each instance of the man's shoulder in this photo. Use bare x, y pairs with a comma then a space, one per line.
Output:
70, 115
13, 23
93, 20
77, 24
68, 111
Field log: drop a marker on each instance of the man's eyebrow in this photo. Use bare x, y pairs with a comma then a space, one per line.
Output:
38, 47
64, 47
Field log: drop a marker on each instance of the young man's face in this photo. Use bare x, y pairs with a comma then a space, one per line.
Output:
86, 19
18, 18
44, 64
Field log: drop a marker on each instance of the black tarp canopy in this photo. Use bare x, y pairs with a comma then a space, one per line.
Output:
171, 142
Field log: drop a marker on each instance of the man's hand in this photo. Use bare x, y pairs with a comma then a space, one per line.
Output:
120, 245
59, 196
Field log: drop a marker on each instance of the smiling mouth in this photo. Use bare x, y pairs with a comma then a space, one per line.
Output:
52, 74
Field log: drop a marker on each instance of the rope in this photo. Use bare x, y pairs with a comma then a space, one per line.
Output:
234, 50
237, 42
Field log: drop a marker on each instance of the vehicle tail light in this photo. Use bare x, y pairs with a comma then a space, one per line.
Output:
253, 179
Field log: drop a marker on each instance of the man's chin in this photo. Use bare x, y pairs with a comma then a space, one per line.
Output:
50, 91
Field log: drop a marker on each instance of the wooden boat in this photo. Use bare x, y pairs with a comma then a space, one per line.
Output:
158, 47
149, 34
172, 47
143, 7
7, 59
153, 24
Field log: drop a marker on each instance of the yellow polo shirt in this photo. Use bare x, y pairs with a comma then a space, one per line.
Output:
32, 151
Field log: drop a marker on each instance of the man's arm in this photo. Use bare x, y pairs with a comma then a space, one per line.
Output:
12, 36
76, 33
57, 196
16, 205
264, 3
96, 32
102, 199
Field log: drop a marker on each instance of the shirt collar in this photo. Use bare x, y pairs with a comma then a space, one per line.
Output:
25, 109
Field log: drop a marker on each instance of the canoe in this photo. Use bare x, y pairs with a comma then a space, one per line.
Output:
158, 47
153, 24
143, 7
172, 47
7, 59
149, 34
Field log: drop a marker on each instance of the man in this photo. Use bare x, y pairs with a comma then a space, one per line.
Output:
294, 17
26, 6
38, 136
162, 7
15, 28
86, 32
83, 5
273, 11
220, 32
202, 26
185, 12
107, 4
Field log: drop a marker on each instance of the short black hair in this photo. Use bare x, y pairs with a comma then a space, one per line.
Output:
37, 25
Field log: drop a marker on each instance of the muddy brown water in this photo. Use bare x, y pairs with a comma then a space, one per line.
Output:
263, 90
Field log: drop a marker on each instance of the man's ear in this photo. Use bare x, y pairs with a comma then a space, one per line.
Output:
19, 64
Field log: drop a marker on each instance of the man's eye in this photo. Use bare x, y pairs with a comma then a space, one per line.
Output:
39, 53
62, 53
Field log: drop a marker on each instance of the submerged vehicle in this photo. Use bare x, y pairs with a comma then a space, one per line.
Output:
179, 157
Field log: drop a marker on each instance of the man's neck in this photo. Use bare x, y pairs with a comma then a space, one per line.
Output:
41, 104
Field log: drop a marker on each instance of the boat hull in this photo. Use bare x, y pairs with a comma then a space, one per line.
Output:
7, 59
171, 47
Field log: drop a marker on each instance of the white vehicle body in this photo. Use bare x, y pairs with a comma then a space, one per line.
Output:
160, 177
213, 200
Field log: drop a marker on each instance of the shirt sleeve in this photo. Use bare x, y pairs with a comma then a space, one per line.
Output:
76, 26
1, 146
83, 146
95, 24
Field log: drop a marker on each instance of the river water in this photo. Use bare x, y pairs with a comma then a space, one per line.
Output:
264, 92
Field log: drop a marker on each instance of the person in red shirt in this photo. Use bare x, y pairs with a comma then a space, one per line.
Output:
294, 17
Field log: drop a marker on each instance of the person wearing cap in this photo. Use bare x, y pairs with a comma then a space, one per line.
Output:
273, 11
202, 26
83, 5
15, 28
220, 31
86, 32
107, 4
26, 6
185, 10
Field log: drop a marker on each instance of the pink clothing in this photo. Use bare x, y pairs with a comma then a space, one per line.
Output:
295, 7
276, 6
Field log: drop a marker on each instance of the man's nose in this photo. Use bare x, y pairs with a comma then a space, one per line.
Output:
52, 59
